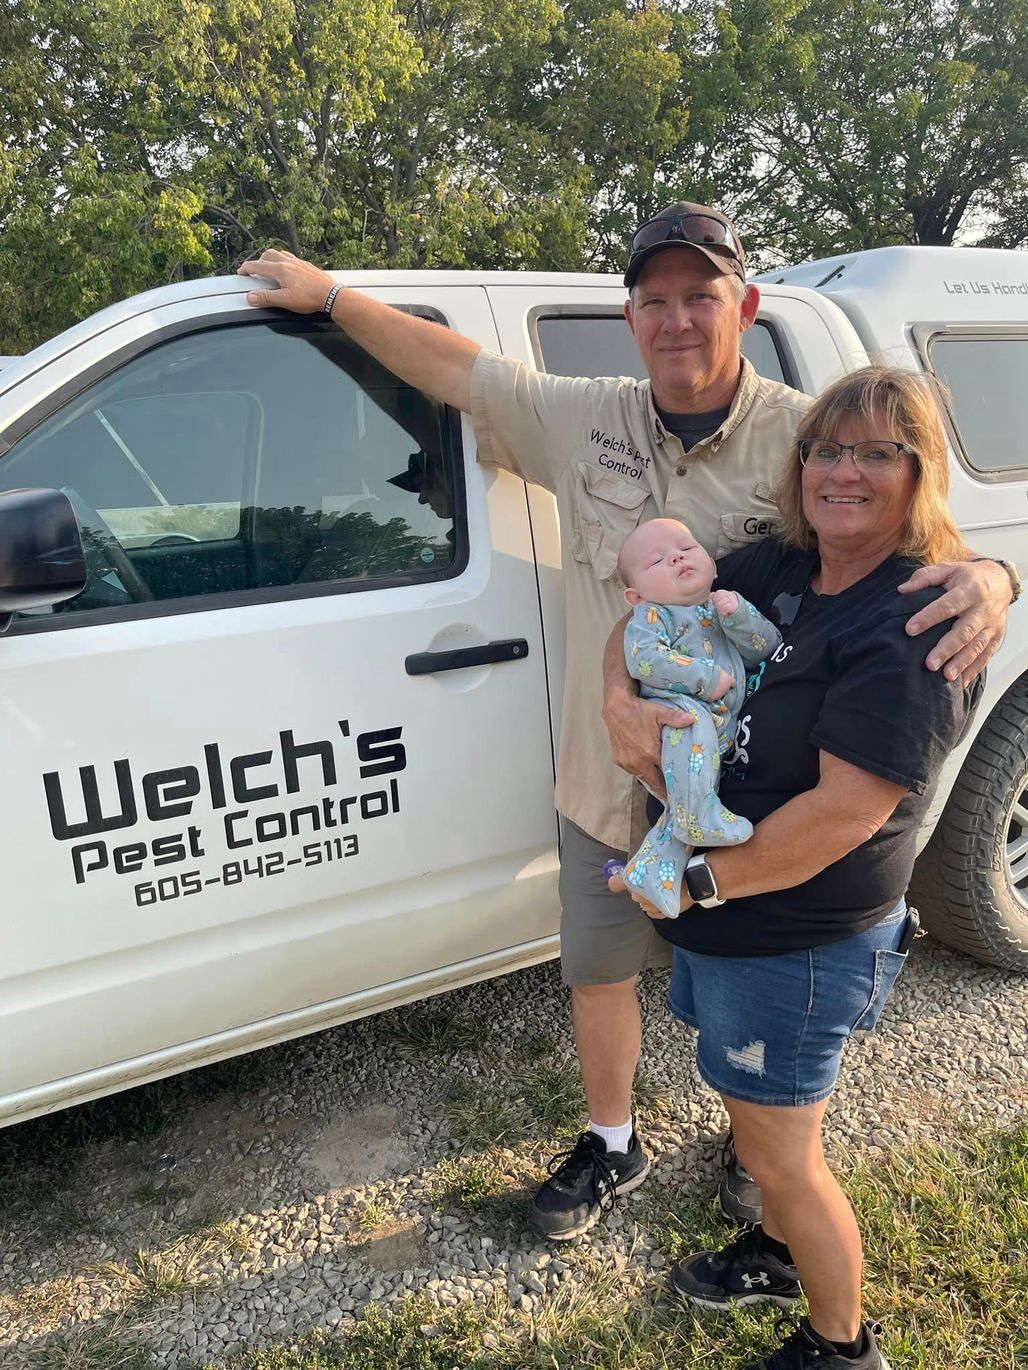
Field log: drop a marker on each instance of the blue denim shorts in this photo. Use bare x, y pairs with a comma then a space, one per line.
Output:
772, 1028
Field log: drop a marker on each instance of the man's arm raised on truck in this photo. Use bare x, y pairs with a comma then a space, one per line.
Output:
526, 421
427, 356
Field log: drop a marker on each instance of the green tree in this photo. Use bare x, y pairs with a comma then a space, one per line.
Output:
150, 139
86, 216
880, 121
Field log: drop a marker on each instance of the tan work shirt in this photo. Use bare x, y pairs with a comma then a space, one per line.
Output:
599, 446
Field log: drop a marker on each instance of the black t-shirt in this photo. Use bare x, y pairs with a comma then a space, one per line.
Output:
850, 681
690, 429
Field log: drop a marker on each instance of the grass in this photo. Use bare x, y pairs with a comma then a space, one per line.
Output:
416, 1337
468, 1182
111, 1346
650, 1098
536, 1046
183, 1267
946, 1228
507, 1103
369, 1216
495, 1186
43, 1302
954, 1222
514, 1105
552, 1091
150, 1197
481, 1113
538, 1096
435, 1028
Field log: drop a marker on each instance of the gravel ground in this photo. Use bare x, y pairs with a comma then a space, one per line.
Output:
311, 1188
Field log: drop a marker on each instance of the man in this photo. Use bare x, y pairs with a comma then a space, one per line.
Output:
701, 441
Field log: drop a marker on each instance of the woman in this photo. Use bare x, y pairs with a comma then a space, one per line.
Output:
793, 940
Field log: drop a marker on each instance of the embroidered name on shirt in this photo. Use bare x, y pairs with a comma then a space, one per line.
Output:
619, 447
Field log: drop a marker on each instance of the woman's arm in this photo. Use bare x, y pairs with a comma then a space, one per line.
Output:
810, 832
798, 841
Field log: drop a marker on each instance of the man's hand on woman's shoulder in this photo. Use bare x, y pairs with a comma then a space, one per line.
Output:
978, 596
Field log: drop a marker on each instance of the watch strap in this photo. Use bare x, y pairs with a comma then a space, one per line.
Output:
1013, 575
1016, 586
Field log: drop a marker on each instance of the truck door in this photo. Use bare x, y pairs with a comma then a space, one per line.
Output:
291, 744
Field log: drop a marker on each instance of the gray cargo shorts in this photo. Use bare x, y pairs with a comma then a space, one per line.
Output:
604, 938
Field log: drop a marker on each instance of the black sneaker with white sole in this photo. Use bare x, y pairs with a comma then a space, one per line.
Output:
741, 1272
739, 1193
808, 1350
584, 1183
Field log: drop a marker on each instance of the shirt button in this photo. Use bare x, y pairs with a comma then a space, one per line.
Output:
681, 470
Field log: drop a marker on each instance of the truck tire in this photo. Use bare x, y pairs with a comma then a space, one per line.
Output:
970, 882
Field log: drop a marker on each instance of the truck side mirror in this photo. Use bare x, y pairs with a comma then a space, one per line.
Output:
41, 559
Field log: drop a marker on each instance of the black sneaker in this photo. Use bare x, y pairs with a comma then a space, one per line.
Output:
584, 1183
739, 1193
807, 1350
742, 1272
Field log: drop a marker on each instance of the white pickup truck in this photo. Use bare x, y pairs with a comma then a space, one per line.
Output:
287, 758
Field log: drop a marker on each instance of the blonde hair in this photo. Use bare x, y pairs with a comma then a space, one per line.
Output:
906, 407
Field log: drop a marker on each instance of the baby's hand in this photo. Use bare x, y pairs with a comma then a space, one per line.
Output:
722, 685
725, 602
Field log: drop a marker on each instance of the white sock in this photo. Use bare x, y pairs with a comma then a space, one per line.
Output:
616, 1138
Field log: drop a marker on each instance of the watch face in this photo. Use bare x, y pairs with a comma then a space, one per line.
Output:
700, 881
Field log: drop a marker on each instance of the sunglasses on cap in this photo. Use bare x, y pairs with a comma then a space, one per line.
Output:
702, 230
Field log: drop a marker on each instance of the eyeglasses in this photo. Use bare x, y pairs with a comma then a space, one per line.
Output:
874, 455
700, 229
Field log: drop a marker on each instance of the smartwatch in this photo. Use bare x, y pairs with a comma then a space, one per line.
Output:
700, 882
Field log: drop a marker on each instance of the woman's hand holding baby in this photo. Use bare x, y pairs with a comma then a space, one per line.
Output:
616, 884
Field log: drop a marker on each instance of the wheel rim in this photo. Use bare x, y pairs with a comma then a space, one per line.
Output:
1016, 855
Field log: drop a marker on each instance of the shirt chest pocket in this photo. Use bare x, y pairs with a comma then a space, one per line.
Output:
606, 509
760, 520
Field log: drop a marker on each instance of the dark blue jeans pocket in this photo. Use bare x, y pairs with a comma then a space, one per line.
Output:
888, 965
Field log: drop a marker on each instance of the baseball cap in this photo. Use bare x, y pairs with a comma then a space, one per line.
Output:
413, 478
686, 224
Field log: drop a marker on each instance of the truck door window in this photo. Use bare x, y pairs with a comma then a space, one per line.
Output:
987, 379
246, 459
602, 345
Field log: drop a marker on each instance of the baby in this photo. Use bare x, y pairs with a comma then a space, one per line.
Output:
683, 640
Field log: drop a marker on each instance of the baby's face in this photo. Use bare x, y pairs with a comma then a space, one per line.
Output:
664, 564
